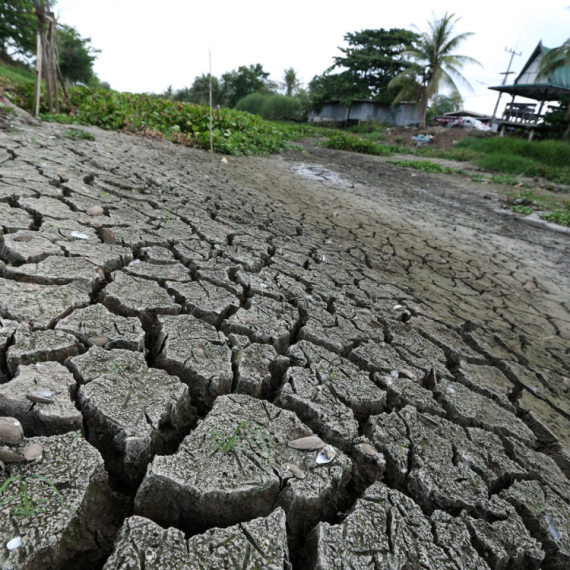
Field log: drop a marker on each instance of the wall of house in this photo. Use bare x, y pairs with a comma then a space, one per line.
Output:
399, 115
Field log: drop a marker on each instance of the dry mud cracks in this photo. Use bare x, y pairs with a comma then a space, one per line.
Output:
169, 325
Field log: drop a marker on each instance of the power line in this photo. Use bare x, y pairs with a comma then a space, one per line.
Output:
506, 74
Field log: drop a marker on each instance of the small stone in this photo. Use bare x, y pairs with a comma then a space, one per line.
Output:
33, 451
309, 443
11, 431
295, 471
326, 455
367, 449
409, 374
95, 222
95, 211
97, 341
108, 237
29, 287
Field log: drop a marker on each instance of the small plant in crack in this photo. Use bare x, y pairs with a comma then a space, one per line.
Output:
115, 371
247, 431
29, 506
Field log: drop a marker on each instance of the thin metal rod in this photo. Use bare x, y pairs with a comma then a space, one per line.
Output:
211, 136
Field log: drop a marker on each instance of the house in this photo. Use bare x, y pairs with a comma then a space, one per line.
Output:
403, 113
523, 114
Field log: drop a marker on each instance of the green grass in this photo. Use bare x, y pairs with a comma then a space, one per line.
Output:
28, 506
518, 157
426, 166
17, 74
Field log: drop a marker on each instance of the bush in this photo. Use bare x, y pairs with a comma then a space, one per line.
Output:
356, 144
270, 107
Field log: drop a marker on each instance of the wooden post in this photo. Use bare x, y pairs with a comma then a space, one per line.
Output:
39, 69
211, 135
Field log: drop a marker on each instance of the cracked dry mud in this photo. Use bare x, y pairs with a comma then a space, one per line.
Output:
193, 317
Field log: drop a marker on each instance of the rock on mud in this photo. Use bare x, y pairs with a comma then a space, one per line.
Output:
202, 486
97, 321
132, 414
73, 534
386, 529
260, 543
23, 397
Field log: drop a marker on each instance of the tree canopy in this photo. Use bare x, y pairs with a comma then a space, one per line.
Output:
371, 60
18, 28
200, 91
435, 63
236, 85
76, 55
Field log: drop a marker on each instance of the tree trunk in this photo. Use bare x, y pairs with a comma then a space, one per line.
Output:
423, 107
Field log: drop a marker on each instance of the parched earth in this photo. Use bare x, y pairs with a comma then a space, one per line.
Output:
317, 360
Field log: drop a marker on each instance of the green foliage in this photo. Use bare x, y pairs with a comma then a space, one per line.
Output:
290, 82
356, 144
257, 436
199, 93
29, 506
522, 209
436, 63
556, 121
76, 56
444, 104
426, 166
236, 85
561, 216
270, 107
233, 132
79, 134
371, 60
18, 28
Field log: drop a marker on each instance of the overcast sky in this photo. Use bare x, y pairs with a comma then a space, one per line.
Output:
147, 46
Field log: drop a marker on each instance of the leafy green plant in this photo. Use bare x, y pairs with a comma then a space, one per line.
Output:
561, 216
522, 209
78, 134
247, 431
29, 506
357, 144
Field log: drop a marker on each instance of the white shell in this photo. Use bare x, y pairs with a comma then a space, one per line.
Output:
396, 307
326, 455
14, 543
134, 262
79, 235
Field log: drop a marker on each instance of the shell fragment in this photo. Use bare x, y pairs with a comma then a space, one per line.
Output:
33, 451
294, 470
14, 543
40, 395
11, 431
326, 455
78, 235
309, 443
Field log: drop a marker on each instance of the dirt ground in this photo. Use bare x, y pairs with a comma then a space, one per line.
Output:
409, 320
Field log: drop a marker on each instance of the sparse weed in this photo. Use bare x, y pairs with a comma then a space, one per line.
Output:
29, 506
248, 431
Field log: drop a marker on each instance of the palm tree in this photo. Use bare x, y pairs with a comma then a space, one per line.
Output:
290, 82
436, 64
553, 60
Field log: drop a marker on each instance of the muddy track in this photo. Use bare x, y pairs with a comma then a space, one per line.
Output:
314, 360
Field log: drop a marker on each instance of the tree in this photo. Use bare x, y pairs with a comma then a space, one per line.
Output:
435, 63
371, 60
199, 93
246, 80
18, 28
290, 82
76, 56
444, 104
553, 60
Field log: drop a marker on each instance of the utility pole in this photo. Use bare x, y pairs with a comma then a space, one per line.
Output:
506, 74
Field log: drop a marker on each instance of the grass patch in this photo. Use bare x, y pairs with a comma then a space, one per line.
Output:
518, 157
78, 134
426, 166
357, 144
561, 216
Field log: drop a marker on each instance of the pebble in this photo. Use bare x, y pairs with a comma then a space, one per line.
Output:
11, 431
7, 456
367, 449
95, 222
295, 471
33, 451
108, 237
97, 340
95, 211
22, 237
